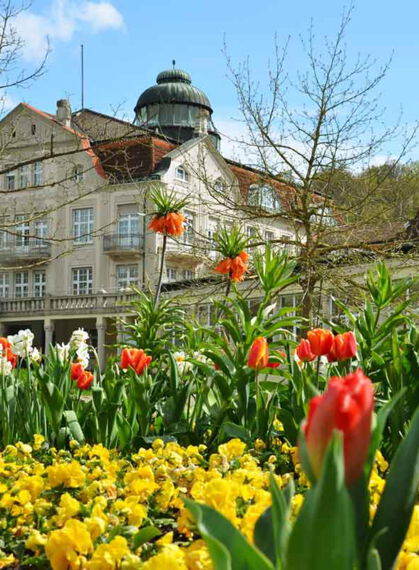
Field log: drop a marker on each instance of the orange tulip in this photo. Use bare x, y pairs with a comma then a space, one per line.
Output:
343, 347
346, 405
303, 351
83, 377
134, 358
6, 351
170, 224
258, 355
235, 267
320, 340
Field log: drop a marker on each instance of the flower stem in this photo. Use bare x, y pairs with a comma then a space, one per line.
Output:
158, 289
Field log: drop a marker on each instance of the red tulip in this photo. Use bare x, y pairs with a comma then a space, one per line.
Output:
343, 347
170, 224
235, 267
321, 341
85, 380
6, 351
347, 406
83, 377
134, 358
258, 355
303, 351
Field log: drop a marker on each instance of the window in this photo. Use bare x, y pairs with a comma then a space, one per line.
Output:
11, 180
182, 174
4, 285
264, 197
128, 226
220, 187
23, 176
324, 216
82, 225
206, 314
22, 231
21, 284
126, 275
82, 280
211, 231
251, 232
188, 234
3, 238
39, 283
269, 236
33, 129
171, 274
38, 174
78, 173
188, 274
41, 228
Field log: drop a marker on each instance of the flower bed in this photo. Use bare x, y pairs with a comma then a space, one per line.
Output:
93, 508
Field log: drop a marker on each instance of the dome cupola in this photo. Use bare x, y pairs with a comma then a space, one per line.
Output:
176, 108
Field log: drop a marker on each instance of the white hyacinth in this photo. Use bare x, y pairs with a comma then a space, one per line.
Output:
5, 366
78, 338
21, 343
82, 355
183, 365
36, 355
63, 352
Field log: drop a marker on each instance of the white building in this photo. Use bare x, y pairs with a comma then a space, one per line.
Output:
74, 207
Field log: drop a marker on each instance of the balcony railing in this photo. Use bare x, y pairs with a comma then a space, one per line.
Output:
122, 243
30, 250
56, 305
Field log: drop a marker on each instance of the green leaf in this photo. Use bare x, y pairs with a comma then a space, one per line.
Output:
74, 426
373, 562
234, 430
144, 535
323, 534
395, 509
280, 515
228, 547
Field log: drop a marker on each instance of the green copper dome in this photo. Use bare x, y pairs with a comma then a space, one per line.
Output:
173, 86
176, 108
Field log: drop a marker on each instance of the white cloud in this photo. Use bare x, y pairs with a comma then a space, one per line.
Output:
60, 21
101, 15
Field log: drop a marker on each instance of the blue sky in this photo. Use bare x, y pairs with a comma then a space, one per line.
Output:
127, 42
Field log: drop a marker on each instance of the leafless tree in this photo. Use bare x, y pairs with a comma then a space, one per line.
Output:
304, 131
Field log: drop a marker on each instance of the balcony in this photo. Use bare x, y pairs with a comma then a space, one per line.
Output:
192, 250
123, 245
31, 251
107, 303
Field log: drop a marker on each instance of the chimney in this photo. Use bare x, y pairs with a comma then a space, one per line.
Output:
64, 112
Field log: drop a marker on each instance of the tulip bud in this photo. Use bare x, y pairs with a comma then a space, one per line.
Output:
303, 351
347, 406
321, 341
258, 355
343, 347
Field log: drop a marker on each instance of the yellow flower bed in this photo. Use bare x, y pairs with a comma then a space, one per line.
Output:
87, 508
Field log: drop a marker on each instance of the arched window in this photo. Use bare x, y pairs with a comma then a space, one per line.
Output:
264, 197
182, 174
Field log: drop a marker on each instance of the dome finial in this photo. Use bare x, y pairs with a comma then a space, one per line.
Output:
173, 63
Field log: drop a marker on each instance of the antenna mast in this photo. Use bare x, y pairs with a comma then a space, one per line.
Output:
82, 76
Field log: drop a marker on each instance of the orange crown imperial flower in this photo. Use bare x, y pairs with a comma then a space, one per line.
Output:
235, 267
170, 224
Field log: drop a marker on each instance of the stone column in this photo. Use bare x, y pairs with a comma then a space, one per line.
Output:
49, 331
101, 327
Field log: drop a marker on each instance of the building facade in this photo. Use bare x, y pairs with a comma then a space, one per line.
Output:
75, 208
